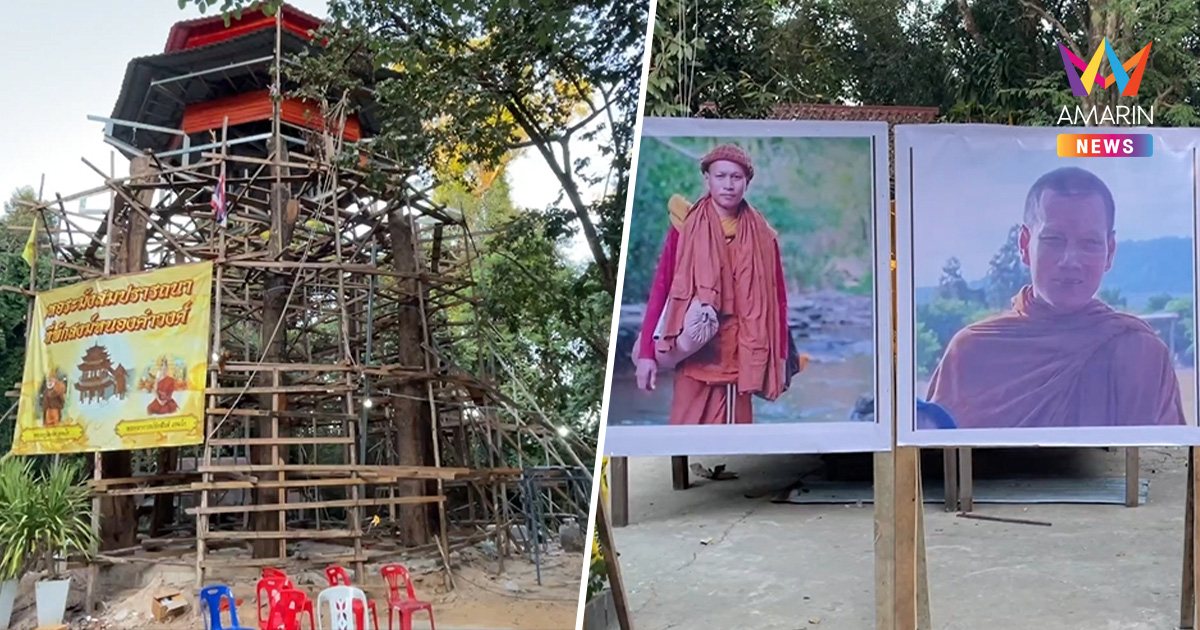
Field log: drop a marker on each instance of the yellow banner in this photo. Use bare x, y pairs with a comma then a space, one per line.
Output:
117, 364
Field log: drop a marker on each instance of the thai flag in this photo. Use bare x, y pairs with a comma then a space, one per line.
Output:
218, 200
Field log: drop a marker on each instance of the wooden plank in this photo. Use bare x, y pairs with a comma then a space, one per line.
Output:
271, 483
924, 618
151, 490
885, 540
320, 561
282, 441
906, 480
312, 534
608, 546
1187, 598
332, 390
1194, 478
313, 505
401, 472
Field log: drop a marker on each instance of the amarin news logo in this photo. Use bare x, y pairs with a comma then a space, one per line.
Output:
1127, 76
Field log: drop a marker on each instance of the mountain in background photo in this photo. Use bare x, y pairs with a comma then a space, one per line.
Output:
1141, 269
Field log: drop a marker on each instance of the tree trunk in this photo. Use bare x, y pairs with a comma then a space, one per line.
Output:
414, 433
274, 302
118, 515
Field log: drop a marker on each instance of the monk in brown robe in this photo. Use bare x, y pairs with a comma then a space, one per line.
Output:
164, 391
723, 253
54, 398
1060, 357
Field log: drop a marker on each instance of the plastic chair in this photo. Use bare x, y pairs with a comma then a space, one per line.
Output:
272, 587
341, 608
267, 591
337, 576
273, 572
286, 610
211, 599
397, 603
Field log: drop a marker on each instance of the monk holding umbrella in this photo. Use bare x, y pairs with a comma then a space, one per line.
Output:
1060, 357
717, 310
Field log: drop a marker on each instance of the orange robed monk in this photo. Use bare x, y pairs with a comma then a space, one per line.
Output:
1060, 357
721, 253
164, 391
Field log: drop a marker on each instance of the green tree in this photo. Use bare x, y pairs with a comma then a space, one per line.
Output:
1006, 273
1113, 298
1185, 343
1157, 303
941, 319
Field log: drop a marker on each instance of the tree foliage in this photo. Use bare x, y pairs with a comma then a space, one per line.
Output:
976, 60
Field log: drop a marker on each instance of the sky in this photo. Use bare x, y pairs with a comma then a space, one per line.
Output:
970, 191
65, 60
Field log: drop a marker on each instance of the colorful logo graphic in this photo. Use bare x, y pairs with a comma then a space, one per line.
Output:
1128, 83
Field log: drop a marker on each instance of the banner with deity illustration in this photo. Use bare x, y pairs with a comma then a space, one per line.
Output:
117, 364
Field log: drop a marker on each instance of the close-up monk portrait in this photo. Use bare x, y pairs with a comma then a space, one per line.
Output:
748, 294
1070, 306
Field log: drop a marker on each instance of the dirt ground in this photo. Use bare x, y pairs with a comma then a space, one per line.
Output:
481, 600
722, 555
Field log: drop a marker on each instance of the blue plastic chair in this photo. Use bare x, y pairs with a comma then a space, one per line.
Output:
936, 414
210, 598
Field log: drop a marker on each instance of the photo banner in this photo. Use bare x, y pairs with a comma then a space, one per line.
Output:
1045, 299
117, 364
756, 293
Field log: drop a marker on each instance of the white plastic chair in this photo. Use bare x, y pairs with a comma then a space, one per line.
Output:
341, 608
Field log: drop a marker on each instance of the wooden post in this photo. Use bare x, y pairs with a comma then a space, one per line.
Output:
966, 480
950, 476
1132, 477
679, 472
619, 492
885, 541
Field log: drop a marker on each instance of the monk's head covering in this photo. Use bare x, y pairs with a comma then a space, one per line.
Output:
730, 153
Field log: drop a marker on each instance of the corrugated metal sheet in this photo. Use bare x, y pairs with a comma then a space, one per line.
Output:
256, 106
139, 102
208, 30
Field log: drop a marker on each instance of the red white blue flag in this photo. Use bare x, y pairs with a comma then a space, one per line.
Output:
218, 200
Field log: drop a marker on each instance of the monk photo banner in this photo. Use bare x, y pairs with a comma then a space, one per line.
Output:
756, 291
117, 364
1045, 298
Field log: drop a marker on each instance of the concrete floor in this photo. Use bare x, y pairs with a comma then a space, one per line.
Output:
708, 557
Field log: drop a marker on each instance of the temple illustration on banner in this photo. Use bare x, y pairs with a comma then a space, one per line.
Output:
98, 379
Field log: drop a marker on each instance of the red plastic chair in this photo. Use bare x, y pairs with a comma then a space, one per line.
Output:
397, 603
286, 610
268, 591
272, 572
337, 576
